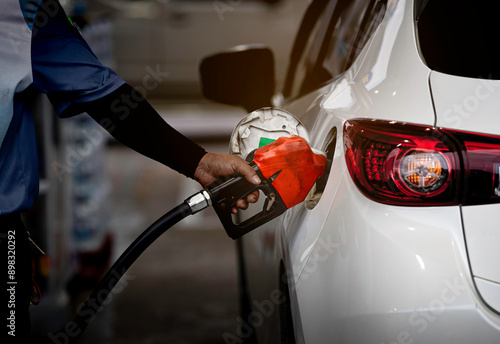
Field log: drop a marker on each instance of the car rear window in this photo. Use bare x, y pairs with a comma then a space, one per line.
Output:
460, 37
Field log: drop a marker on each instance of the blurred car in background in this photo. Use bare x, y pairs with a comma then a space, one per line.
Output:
399, 243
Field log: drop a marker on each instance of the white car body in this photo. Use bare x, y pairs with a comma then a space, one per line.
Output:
359, 271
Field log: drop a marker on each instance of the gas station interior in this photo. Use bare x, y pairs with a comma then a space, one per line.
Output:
96, 195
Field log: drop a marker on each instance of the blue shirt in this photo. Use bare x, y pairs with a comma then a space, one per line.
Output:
39, 49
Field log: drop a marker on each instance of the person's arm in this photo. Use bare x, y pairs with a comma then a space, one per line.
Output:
131, 120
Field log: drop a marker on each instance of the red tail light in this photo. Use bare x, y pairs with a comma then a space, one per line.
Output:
481, 161
407, 164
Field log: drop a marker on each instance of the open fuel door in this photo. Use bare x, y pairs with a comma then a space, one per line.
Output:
264, 128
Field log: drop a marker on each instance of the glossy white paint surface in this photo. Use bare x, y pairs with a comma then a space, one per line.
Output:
490, 292
483, 242
466, 104
483, 239
388, 80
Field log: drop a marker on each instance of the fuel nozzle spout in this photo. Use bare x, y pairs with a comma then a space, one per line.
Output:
288, 169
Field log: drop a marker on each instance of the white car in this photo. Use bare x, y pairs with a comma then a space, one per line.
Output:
400, 243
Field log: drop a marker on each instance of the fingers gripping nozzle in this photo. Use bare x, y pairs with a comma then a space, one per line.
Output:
287, 168
225, 194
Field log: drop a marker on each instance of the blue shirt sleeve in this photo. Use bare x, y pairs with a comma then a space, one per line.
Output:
64, 67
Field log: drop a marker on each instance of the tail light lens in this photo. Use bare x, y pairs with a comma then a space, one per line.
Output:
404, 164
408, 164
424, 172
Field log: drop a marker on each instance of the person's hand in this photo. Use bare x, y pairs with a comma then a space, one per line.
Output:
212, 166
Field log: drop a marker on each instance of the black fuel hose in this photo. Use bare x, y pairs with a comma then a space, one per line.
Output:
94, 303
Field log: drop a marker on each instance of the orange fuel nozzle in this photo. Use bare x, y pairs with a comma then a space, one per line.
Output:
298, 166
288, 169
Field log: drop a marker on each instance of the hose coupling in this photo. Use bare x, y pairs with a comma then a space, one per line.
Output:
199, 201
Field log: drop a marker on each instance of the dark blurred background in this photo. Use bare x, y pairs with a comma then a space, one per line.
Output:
96, 196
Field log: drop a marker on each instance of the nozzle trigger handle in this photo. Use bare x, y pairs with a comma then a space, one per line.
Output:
226, 192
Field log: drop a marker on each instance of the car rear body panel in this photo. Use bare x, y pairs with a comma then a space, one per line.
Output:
473, 105
379, 274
